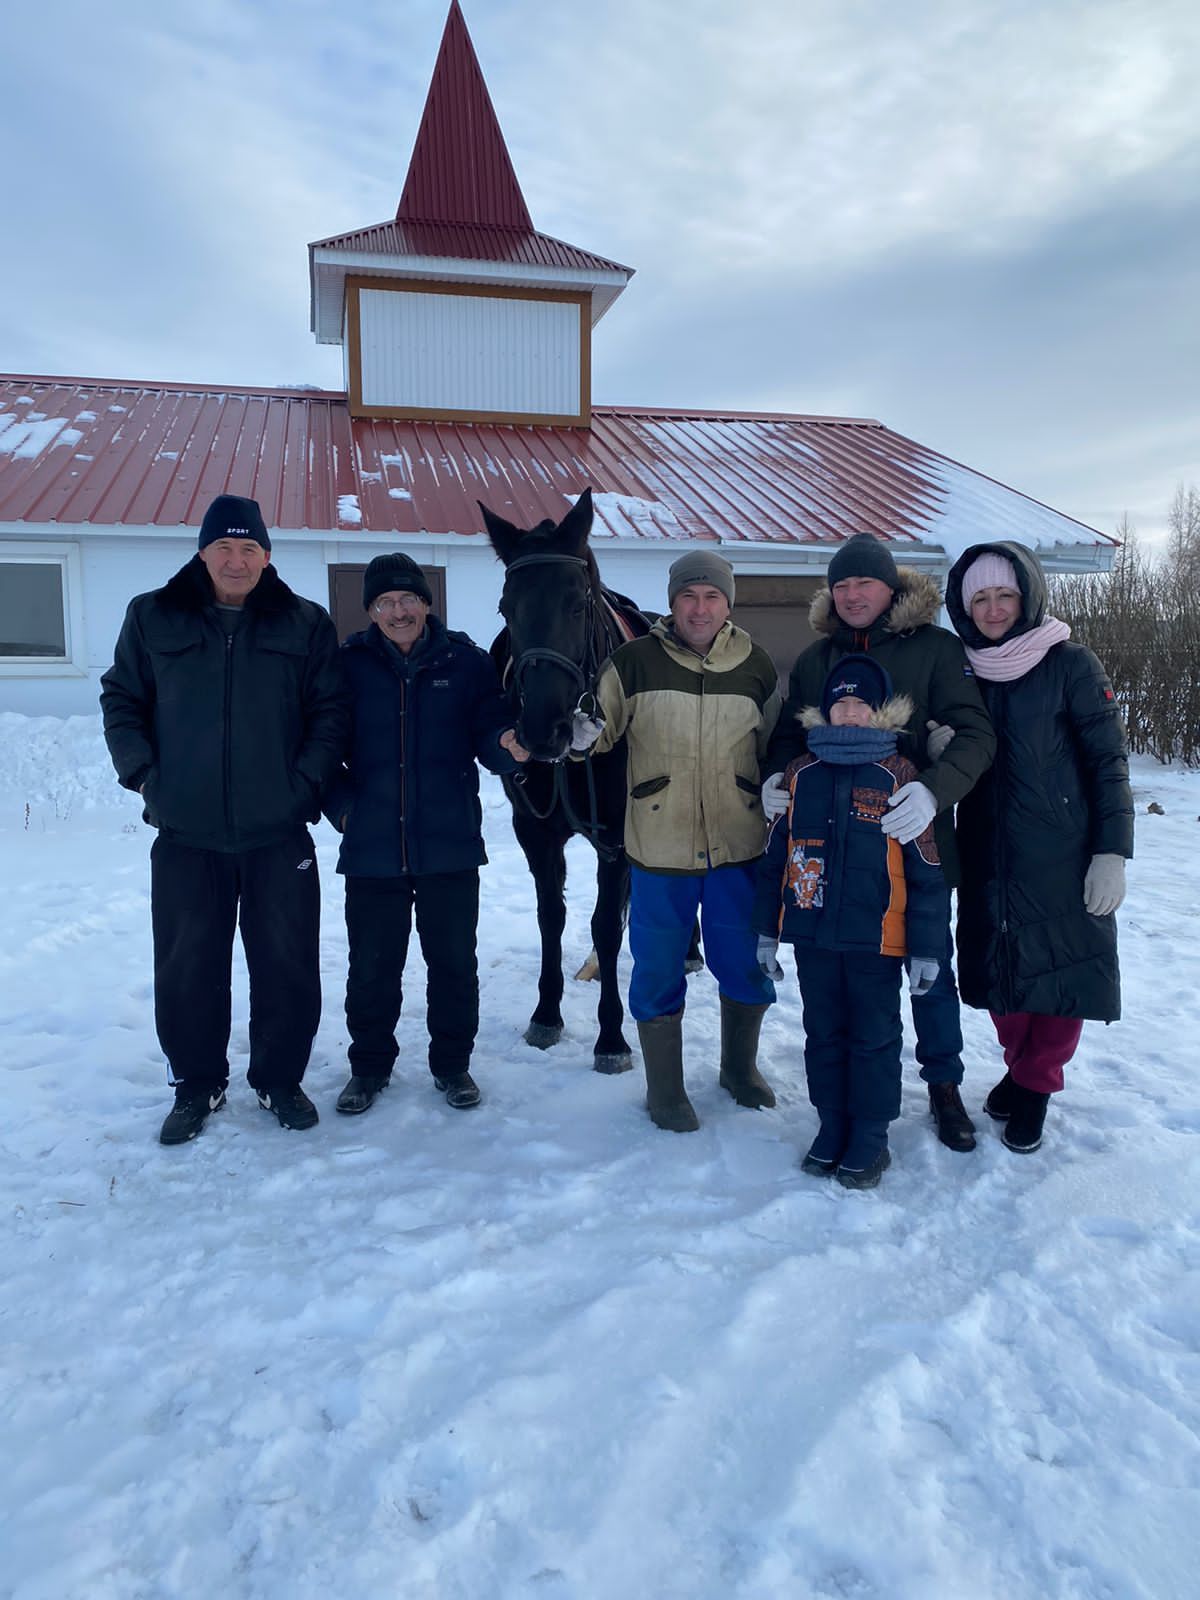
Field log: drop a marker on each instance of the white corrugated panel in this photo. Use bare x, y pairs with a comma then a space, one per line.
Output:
450, 352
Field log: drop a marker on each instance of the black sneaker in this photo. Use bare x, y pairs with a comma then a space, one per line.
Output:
290, 1105
954, 1127
358, 1094
461, 1091
190, 1112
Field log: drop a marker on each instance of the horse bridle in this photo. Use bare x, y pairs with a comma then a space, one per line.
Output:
583, 675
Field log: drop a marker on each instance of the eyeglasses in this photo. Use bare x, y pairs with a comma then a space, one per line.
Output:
406, 602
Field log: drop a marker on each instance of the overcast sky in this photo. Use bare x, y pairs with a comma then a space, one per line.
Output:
975, 220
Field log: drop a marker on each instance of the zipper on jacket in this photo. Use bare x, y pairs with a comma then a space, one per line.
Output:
227, 752
999, 783
403, 773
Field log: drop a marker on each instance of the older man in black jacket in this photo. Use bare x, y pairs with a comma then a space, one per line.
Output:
225, 708
426, 706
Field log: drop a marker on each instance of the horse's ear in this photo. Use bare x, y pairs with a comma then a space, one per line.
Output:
503, 535
574, 528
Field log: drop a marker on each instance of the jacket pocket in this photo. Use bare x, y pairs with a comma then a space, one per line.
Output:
642, 791
747, 786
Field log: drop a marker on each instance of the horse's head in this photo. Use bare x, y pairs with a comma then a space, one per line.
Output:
548, 602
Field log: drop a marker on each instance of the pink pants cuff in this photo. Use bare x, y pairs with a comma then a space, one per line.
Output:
1036, 1048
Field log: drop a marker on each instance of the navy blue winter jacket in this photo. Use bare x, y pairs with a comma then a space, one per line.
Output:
410, 787
831, 876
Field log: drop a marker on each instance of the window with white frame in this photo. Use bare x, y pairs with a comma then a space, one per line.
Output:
39, 587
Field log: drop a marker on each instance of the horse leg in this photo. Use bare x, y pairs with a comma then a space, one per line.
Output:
612, 1053
695, 961
545, 851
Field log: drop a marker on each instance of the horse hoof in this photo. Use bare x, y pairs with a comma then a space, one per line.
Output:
590, 970
622, 1061
693, 964
542, 1037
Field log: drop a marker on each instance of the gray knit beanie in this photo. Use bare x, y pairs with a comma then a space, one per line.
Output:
864, 556
700, 566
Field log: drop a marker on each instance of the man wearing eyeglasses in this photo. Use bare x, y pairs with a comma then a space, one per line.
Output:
426, 707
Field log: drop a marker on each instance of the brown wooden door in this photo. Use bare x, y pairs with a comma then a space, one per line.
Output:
345, 596
774, 612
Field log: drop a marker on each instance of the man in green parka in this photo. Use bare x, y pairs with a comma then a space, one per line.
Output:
873, 606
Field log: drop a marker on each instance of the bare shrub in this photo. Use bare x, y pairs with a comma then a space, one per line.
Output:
1143, 620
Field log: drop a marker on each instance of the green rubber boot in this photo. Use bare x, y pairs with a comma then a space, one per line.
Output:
662, 1053
740, 1027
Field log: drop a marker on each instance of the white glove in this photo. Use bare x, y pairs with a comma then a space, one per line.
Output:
768, 958
585, 730
912, 810
1104, 885
940, 735
922, 974
774, 796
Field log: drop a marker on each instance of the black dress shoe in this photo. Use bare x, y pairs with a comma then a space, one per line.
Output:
290, 1105
461, 1091
954, 1127
358, 1094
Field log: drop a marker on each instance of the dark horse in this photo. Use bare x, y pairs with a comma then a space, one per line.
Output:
561, 627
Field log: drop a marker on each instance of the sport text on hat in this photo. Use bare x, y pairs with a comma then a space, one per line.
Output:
232, 516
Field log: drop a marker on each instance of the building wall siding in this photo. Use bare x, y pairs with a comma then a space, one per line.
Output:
473, 353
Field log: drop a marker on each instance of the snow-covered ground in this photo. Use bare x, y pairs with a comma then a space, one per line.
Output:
541, 1349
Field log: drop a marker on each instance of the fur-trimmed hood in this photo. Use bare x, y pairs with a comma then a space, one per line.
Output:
893, 716
917, 603
191, 589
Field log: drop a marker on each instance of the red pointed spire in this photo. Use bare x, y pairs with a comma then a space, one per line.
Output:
460, 169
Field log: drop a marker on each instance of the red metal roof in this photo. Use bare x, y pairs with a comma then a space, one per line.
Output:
467, 242
90, 452
460, 169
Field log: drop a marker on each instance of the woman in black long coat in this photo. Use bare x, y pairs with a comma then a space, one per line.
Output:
1043, 837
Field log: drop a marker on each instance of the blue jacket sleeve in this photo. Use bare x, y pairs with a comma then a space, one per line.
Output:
928, 911
768, 897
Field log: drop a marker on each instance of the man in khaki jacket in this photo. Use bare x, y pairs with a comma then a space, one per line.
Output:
696, 700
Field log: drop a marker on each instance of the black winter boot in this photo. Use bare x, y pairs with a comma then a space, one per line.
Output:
1023, 1130
291, 1106
740, 1028
829, 1146
461, 1091
999, 1103
193, 1105
867, 1157
954, 1127
662, 1054
358, 1094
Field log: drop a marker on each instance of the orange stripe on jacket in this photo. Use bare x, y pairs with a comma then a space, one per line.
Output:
893, 917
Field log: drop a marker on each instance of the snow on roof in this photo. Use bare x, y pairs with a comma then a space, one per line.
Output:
99, 453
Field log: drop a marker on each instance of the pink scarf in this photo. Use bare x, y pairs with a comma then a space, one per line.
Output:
1015, 657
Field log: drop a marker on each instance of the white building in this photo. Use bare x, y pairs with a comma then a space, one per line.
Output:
466, 339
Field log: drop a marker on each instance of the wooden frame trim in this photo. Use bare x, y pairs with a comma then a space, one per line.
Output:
356, 283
